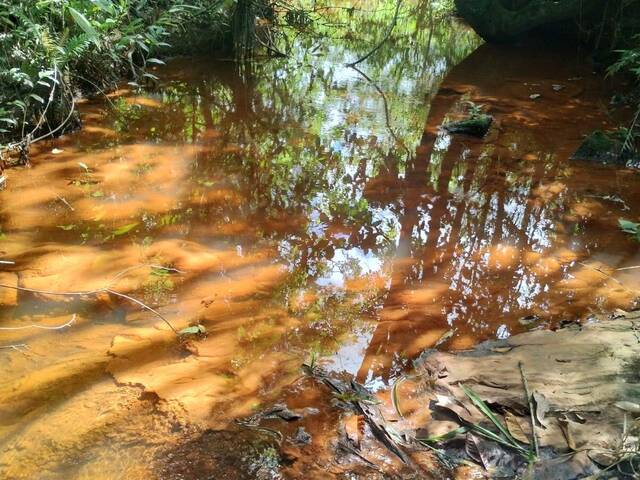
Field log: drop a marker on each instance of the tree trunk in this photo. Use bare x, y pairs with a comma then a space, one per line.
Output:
494, 21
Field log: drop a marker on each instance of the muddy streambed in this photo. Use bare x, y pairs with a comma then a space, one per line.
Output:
303, 210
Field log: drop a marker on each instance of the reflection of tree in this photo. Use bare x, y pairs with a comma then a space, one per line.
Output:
462, 204
318, 157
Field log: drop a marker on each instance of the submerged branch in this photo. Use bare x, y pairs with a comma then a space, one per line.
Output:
96, 292
43, 327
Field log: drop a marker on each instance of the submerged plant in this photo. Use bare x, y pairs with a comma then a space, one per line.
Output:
630, 227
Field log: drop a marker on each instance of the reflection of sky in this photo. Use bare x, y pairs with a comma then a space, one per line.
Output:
341, 266
349, 356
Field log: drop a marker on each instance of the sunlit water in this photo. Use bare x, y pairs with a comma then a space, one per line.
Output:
311, 210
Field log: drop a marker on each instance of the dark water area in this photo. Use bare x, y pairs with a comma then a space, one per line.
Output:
305, 209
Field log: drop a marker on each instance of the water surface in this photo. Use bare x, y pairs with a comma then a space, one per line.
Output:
305, 209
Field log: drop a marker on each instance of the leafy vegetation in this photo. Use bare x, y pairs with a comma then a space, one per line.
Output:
54, 49
629, 62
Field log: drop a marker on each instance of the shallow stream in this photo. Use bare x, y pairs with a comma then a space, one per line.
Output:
301, 209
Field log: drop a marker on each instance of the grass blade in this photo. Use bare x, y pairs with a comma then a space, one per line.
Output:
484, 408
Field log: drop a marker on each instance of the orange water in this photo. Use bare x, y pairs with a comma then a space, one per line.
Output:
309, 215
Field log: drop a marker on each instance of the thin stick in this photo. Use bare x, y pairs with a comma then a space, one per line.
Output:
531, 411
138, 302
7, 262
43, 327
627, 268
604, 273
63, 200
16, 346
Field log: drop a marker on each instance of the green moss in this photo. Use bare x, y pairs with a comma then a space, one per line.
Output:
475, 125
602, 147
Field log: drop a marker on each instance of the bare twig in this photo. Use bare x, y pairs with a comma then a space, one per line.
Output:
385, 105
43, 327
27, 140
7, 262
16, 346
586, 265
64, 200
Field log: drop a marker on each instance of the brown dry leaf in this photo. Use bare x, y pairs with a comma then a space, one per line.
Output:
501, 349
518, 427
473, 450
454, 407
565, 427
605, 458
542, 407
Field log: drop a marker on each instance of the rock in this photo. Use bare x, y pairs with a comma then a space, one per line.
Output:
582, 384
280, 410
475, 125
606, 148
302, 437
8, 296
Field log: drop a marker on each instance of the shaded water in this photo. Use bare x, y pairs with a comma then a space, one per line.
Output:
310, 210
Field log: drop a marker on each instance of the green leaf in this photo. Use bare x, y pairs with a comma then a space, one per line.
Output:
484, 408
628, 227
125, 229
66, 228
98, 194
193, 330
37, 98
84, 24
445, 436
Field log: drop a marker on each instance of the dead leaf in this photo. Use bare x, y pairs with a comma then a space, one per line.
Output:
542, 407
518, 427
565, 427
501, 349
605, 458
453, 406
472, 449
628, 406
